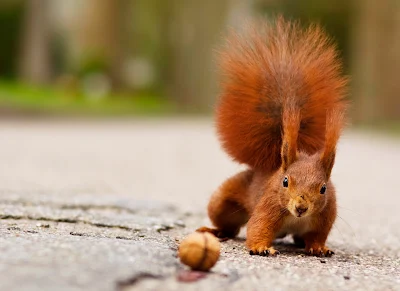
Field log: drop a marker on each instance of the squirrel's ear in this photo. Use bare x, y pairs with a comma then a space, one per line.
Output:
291, 126
335, 120
288, 154
328, 160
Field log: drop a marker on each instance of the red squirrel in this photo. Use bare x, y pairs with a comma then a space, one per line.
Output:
281, 111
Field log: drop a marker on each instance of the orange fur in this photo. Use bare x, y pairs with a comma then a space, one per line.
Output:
281, 112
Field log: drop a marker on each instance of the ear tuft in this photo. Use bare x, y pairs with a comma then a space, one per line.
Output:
291, 126
328, 160
335, 121
289, 154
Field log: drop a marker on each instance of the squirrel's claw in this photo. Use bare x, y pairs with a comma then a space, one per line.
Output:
320, 252
329, 253
264, 252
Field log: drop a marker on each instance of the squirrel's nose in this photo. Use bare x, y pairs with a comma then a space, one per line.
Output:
301, 209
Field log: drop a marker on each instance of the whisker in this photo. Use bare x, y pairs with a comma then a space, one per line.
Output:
349, 226
349, 210
341, 234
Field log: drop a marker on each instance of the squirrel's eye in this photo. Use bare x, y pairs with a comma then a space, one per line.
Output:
286, 182
323, 189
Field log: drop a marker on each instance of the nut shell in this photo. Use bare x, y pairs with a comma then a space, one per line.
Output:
200, 251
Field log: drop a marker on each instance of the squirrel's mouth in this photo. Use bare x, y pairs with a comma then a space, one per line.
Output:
299, 215
298, 210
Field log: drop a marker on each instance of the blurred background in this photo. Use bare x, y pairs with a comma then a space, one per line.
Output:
155, 57
110, 102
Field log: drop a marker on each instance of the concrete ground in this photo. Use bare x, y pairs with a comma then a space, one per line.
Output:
103, 205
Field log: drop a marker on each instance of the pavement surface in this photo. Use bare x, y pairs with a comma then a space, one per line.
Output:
103, 205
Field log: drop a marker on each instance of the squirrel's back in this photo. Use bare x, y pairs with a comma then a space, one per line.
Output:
270, 70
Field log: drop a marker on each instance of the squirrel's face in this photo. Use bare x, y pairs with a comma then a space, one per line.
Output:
305, 186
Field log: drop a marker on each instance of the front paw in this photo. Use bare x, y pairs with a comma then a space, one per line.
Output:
264, 251
319, 252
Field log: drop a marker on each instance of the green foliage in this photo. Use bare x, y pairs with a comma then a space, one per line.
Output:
92, 64
47, 100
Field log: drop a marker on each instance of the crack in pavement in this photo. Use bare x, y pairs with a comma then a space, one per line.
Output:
83, 207
67, 220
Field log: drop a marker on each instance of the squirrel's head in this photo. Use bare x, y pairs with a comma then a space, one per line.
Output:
305, 185
305, 178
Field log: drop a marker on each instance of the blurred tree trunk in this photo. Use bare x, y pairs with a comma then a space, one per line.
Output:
102, 29
195, 29
35, 66
376, 61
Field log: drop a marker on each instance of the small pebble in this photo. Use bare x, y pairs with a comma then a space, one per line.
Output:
346, 277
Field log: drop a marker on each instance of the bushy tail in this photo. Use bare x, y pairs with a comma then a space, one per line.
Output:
268, 72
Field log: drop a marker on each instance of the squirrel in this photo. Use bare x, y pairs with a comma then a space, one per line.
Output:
281, 111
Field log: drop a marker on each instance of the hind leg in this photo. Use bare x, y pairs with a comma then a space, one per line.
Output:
227, 217
227, 206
